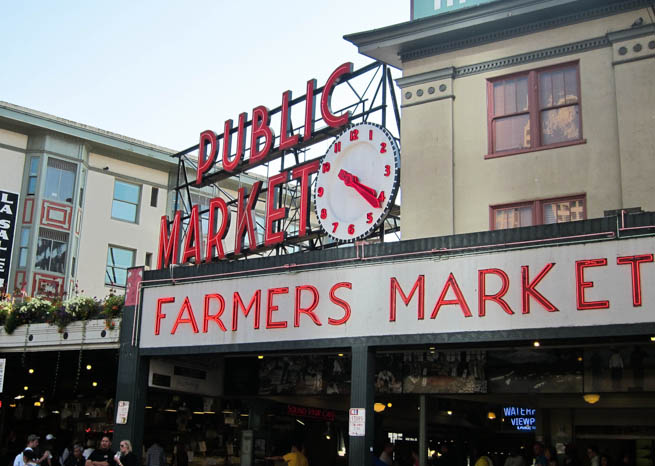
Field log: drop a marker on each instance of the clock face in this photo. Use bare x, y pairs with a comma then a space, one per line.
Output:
357, 182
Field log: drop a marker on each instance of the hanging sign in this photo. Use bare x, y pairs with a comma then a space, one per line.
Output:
357, 422
8, 209
121, 412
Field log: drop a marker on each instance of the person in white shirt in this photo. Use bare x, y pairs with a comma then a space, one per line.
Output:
32, 443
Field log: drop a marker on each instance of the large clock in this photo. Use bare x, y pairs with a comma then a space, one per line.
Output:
357, 182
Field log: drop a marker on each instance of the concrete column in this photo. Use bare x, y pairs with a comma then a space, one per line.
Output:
362, 395
423, 432
131, 385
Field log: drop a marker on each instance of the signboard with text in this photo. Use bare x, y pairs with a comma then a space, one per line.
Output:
423, 8
8, 211
580, 285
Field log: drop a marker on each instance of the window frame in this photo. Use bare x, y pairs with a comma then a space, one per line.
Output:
138, 203
107, 266
72, 168
537, 206
534, 111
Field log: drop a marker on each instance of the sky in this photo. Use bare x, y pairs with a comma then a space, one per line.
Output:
163, 71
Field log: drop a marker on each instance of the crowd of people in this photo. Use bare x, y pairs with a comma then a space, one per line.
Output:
539, 455
77, 453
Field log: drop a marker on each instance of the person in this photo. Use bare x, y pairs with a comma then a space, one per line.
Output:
50, 457
32, 443
293, 458
29, 457
592, 453
484, 460
90, 448
387, 454
605, 460
515, 458
77, 458
125, 456
180, 457
155, 455
550, 455
102, 456
539, 458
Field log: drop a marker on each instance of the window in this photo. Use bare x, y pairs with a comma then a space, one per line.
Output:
60, 180
51, 251
24, 247
148, 263
534, 110
126, 201
538, 212
118, 261
33, 176
154, 192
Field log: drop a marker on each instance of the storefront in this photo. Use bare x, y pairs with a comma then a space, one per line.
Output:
483, 342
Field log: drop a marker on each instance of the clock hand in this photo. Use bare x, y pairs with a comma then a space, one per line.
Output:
369, 194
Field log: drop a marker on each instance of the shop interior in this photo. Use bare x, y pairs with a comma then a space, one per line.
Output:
490, 399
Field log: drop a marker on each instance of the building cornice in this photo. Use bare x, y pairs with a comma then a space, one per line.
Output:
23, 116
480, 25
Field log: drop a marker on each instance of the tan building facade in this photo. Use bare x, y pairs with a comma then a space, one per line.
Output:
522, 113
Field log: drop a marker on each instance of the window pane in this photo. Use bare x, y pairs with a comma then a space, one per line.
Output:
123, 211
512, 133
66, 186
34, 166
126, 192
513, 217
120, 257
571, 85
499, 98
43, 254
522, 94
118, 261
564, 211
22, 258
510, 96
52, 183
24, 237
31, 185
58, 257
560, 125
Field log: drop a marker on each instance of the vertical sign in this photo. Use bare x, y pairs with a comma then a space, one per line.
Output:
8, 210
357, 422
3, 362
122, 412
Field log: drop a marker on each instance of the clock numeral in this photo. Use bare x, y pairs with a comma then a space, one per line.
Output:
334, 227
320, 191
369, 217
326, 167
323, 214
337, 147
381, 197
351, 229
370, 134
387, 170
383, 148
354, 134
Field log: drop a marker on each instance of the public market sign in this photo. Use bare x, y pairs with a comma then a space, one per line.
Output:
591, 284
177, 246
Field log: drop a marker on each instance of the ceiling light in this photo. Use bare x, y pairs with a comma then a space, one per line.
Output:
536, 344
652, 338
19, 397
340, 355
491, 415
389, 405
26, 388
579, 358
300, 422
591, 398
89, 367
379, 407
261, 356
450, 413
31, 371
95, 384
327, 437
432, 348
37, 403
41, 399
198, 412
